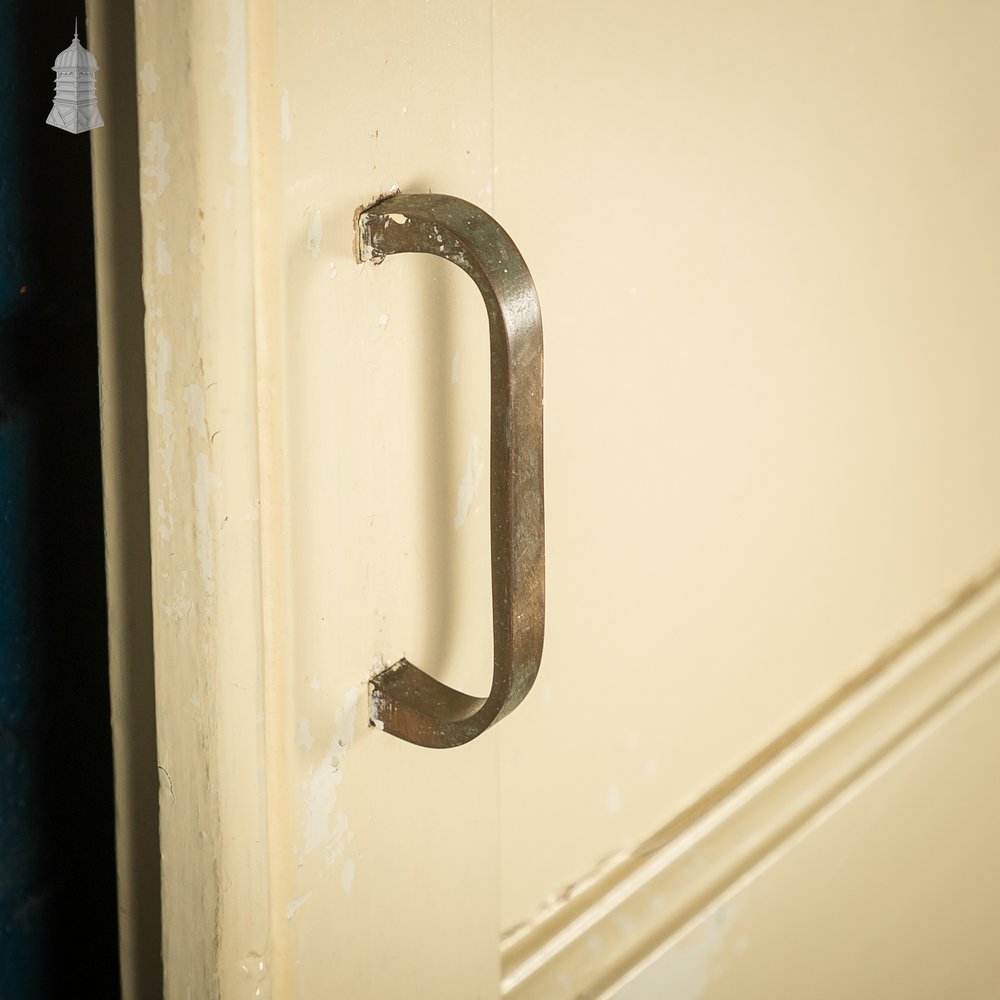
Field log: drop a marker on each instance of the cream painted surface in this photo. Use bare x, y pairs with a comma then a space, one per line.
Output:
383, 854
317, 500
766, 241
195, 191
616, 921
894, 891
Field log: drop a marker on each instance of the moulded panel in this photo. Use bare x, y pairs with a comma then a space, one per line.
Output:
892, 891
765, 239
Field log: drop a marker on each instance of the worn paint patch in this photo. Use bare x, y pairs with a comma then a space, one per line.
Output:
347, 877
164, 262
295, 905
163, 407
470, 482
686, 970
319, 798
206, 481
383, 321
166, 526
154, 177
454, 367
314, 232
340, 837
149, 78
194, 404
234, 81
178, 609
320, 789
303, 735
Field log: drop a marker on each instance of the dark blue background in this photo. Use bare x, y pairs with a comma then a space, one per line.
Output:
58, 932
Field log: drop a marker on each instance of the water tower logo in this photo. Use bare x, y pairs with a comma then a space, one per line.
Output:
75, 105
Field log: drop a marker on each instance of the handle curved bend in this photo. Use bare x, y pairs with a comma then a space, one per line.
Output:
405, 701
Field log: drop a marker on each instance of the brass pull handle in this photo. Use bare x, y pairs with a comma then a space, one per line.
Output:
405, 701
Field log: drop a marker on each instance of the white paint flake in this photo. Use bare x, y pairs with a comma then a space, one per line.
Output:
294, 905
320, 790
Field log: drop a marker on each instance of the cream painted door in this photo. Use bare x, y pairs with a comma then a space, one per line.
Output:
765, 238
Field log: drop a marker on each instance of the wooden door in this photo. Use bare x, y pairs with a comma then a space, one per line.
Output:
765, 241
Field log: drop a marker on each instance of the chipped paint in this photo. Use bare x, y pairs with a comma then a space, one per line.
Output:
314, 232
164, 262
296, 904
383, 320
153, 172
194, 405
149, 78
470, 482
347, 877
178, 609
206, 481
341, 836
163, 407
234, 82
166, 526
319, 798
303, 735
320, 789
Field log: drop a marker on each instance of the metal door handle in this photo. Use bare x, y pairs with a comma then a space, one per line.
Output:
405, 701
